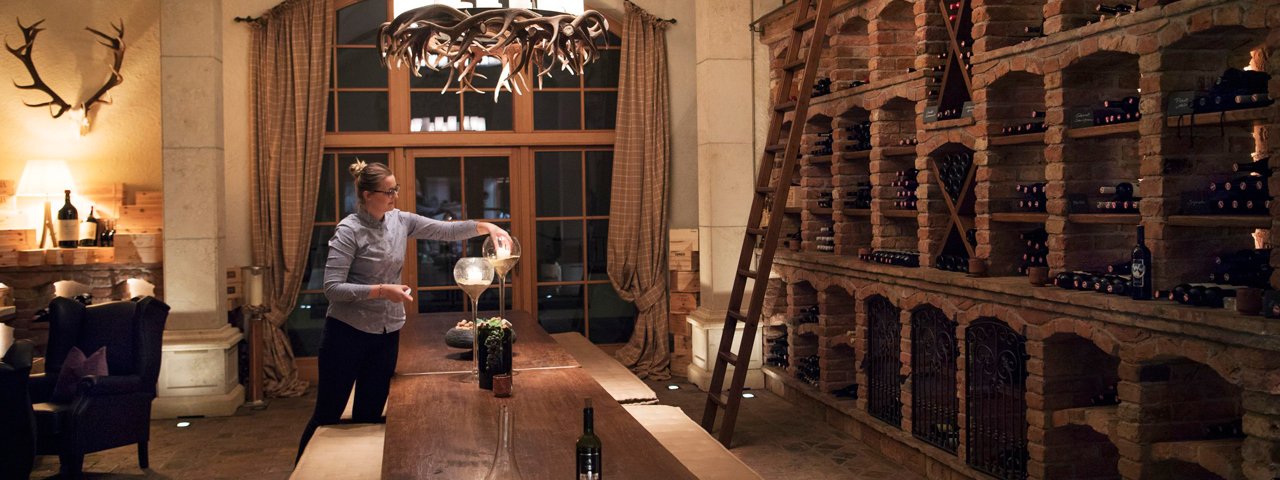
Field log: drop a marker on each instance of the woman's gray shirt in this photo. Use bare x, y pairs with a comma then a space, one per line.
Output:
364, 252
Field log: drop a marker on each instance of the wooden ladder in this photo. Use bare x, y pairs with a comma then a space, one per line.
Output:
768, 199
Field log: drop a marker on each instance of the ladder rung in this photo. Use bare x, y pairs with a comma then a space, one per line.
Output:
757, 231
785, 107
805, 25
737, 316
775, 148
793, 66
729, 357
716, 399
764, 190
748, 273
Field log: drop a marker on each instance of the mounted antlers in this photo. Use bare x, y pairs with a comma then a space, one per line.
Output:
58, 106
439, 36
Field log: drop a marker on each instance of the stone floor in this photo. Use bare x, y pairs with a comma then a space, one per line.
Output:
771, 438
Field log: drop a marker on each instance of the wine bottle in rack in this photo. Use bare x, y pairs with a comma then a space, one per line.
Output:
89, 230
1260, 167
589, 448
1140, 269
68, 224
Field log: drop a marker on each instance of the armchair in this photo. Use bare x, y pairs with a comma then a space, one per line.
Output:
106, 412
17, 426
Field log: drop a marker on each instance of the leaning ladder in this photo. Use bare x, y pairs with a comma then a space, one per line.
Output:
769, 199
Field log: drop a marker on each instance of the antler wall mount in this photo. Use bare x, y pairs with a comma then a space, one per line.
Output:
57, 106
440, 36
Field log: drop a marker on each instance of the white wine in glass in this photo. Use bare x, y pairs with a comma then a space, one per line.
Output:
503, 258
473, 275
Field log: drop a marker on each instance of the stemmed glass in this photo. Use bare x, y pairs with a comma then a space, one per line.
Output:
503, 258
474, 275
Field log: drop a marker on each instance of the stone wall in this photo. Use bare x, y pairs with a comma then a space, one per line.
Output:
33, 289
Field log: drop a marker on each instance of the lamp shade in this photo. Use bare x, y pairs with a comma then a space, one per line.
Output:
42, 178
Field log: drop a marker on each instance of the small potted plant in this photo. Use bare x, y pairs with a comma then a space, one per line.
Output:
494, 356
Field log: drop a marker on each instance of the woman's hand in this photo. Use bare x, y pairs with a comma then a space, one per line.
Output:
500, 237
395, 293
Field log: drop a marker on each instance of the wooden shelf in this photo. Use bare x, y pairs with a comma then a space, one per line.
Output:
952, 123
1105, 218
1242, 221
1022, 139
1102, 419
1215, 118
856, 212
807, 328
899, 213
1020, 217
909, 150
821, 211
1103, 130
854, 156
785, 107
792, 210
819, 159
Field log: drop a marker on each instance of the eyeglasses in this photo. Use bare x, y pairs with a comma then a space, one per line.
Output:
391, 192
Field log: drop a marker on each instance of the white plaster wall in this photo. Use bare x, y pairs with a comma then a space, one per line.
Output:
680, 60
124, 144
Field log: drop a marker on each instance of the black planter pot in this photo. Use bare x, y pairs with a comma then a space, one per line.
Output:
486, 373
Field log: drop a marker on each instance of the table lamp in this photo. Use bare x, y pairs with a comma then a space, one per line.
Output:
45, 179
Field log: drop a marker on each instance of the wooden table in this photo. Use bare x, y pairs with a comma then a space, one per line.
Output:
422, 348
440, 426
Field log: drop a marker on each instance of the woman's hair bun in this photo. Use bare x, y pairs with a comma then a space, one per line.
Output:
357, 168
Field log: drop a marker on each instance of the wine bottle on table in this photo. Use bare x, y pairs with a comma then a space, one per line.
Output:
89, 230
588, 447
68, 224
1140, 269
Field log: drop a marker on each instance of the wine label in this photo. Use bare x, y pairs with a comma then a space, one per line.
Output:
589, 464
1139, 272
68, 230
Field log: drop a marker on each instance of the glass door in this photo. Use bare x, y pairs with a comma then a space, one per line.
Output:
457, 184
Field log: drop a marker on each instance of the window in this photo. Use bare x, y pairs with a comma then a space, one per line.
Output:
463, 156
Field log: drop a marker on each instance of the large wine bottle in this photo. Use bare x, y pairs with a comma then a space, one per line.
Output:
89, 230
68, 224
588, 447
1140, 269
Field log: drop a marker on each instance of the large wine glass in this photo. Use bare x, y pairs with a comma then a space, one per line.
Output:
474, 275
503, 256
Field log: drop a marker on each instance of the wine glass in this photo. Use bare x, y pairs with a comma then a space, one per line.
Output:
503, 258
474, 275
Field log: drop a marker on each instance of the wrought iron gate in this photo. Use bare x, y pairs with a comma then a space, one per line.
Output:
996, 407
883, 363
933, 379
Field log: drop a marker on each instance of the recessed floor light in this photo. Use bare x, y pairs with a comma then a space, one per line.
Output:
184, 424
673, 387
748, 395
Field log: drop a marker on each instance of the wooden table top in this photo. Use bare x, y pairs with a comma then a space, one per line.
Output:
422, 348
441, 426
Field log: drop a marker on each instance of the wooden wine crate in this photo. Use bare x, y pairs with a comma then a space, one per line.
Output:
101, 254
684, 281
68, 256
107, 197
14, 240
685, 235
139, 248
682, 257
139, 240
678, 323
9, 259
148, 198
31, 258
684, 303
140, 219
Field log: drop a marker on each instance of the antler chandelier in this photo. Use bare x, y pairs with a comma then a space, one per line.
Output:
441, 37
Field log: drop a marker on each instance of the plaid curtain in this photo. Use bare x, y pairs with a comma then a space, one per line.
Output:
638, 212
289, 84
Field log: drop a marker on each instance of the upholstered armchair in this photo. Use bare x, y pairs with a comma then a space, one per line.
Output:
105, 412
17, 426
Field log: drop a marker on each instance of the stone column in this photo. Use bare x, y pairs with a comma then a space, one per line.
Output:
726, 174
199, 372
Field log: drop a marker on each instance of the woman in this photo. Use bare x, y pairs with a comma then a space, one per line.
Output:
366, 300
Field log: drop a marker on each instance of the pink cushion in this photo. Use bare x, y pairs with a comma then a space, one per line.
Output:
75, 367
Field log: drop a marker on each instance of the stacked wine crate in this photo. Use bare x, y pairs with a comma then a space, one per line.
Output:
682, 256
1075, 121
138, 231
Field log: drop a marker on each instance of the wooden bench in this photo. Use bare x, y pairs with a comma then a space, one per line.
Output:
616, 379
343, 452
691, 445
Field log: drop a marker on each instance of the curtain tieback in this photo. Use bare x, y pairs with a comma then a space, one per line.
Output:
651, 297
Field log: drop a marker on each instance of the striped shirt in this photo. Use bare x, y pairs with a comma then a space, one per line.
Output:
365, 251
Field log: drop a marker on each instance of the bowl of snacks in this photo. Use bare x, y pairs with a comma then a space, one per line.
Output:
460, 336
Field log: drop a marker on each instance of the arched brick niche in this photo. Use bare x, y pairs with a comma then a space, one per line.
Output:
802, 329
1179, 469
1000, 23
949, 174
815, 182
1079, 452
893, 40
837, 322
1183, 401
848, 50
995, 398
892, 123
1077, 373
